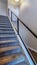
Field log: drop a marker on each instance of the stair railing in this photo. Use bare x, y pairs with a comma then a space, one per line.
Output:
18, 20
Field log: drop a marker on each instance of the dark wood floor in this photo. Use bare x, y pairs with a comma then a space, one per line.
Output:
34, 54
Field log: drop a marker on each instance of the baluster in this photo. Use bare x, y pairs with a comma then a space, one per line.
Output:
8, 12
11, 15
18, 26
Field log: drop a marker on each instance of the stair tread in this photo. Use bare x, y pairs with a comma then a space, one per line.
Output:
2, 36
2, 29
6, 41
22, 63
9, 44
8, 48
9, 58
6, 32
1, 33
5, 24
20, 59
9, 52
8, 38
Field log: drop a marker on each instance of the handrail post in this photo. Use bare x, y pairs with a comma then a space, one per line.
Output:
11, 15
8, 12
18, 26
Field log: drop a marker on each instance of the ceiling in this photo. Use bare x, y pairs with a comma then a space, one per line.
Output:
14, 3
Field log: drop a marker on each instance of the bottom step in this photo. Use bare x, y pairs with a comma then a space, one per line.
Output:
9, 58
17, 60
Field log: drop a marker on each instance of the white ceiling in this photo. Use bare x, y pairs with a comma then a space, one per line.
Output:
13, 2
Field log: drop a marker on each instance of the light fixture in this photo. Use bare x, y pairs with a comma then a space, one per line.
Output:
17, 0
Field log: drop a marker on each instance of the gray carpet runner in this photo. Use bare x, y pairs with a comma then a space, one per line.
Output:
10, 50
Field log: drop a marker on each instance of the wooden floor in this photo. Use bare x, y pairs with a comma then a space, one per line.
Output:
34, 54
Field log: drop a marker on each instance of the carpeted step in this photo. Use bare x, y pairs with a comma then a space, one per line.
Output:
4, 49
6, 31
8, 59
2, 22
7, 44
3, 33
8, 22
9, 52
1, 42
5, 26
20, 59
8, 38
2, 36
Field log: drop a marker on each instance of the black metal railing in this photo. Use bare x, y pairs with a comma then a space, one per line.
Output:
18, 20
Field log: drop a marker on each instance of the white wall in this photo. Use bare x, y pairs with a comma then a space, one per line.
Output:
3, 7
28, 14
15, 10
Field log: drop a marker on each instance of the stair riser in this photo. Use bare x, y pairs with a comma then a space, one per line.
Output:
8, 38
5, 26
4, 22
7, 33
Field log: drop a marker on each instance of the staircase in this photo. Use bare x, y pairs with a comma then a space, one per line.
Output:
10, 51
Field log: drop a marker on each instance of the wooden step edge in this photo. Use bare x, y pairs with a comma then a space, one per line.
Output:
7, 59
34, 54
8, 48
